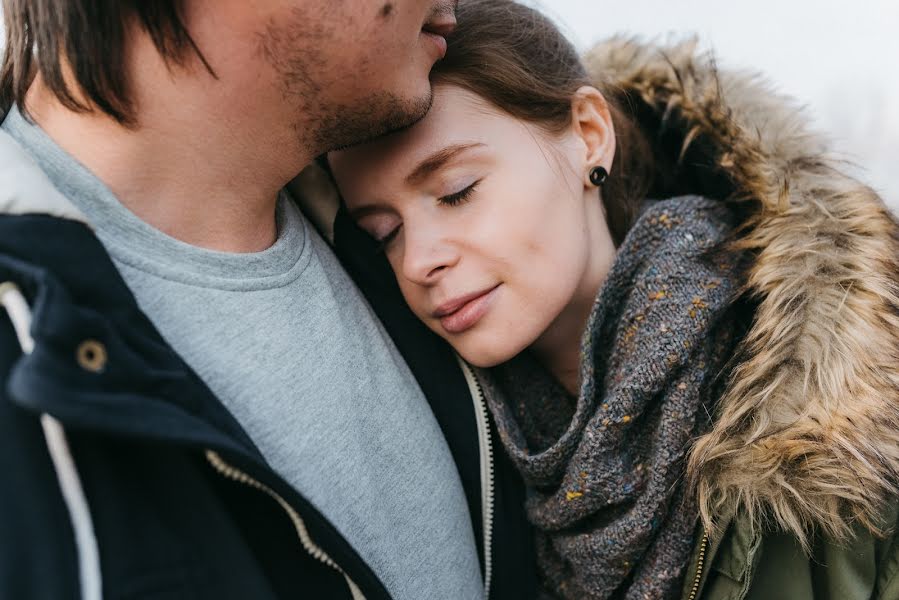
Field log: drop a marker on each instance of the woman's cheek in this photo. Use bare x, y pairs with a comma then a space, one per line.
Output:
488, 214
415, 298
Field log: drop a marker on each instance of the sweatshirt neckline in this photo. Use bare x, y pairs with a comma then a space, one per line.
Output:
135, 243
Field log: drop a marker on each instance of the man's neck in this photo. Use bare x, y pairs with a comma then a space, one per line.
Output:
206, 175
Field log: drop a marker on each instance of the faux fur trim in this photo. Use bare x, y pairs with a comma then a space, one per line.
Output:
807, 435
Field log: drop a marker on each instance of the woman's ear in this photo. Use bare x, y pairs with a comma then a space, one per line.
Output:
592, 122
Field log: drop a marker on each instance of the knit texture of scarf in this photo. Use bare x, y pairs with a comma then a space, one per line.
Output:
605, 471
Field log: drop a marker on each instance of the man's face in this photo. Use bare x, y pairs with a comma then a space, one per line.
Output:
337, 71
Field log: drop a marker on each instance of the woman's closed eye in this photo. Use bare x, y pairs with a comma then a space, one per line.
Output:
383, 241
381, 227
460, 196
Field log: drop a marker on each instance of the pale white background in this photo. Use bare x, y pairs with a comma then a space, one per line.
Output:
839, 59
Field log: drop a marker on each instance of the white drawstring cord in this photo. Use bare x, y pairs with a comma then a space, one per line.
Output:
67, 474
11, 298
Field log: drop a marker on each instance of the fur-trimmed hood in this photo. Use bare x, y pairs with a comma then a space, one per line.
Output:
807, 434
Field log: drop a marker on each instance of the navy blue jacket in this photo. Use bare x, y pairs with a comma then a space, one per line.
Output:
181, 502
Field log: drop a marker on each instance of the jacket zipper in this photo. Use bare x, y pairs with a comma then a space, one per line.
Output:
487, 475
11, 299
235, 474
700, 563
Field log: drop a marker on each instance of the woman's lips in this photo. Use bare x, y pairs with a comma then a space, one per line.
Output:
463, 313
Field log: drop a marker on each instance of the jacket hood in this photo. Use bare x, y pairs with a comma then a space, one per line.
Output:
25, 189
806, 436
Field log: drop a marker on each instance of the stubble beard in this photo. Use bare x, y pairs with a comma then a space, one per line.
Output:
373, 117
306, 77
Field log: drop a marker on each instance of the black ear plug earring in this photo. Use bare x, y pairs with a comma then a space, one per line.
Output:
598, 176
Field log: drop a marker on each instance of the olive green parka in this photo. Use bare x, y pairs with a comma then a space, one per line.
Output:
746, 564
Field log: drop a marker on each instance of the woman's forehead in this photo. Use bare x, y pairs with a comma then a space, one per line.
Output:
457, 118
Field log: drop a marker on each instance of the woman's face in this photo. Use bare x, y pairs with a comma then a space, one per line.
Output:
496, 237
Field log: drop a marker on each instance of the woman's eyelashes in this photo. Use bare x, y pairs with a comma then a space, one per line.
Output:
453, 199
460, 196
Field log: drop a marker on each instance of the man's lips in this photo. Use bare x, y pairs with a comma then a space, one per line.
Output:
443, 26
438, 41
442, 20
439, 26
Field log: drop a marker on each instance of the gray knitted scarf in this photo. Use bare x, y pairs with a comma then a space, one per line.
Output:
605, 470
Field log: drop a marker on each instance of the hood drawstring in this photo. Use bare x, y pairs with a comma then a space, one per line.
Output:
57, 445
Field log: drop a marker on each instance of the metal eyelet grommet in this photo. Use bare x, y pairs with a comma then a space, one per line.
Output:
91, 356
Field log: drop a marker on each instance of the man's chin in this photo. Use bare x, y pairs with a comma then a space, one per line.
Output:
383, 115
414, 112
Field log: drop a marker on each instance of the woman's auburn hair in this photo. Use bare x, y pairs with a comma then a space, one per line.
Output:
516, 58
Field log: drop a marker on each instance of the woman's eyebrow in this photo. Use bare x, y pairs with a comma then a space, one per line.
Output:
437, 160
425, 168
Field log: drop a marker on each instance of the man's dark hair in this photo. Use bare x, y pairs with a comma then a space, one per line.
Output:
87, 38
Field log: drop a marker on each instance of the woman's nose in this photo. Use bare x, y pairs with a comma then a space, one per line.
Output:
426, 256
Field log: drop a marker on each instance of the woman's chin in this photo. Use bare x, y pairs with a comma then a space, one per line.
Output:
485, 357
485, 345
